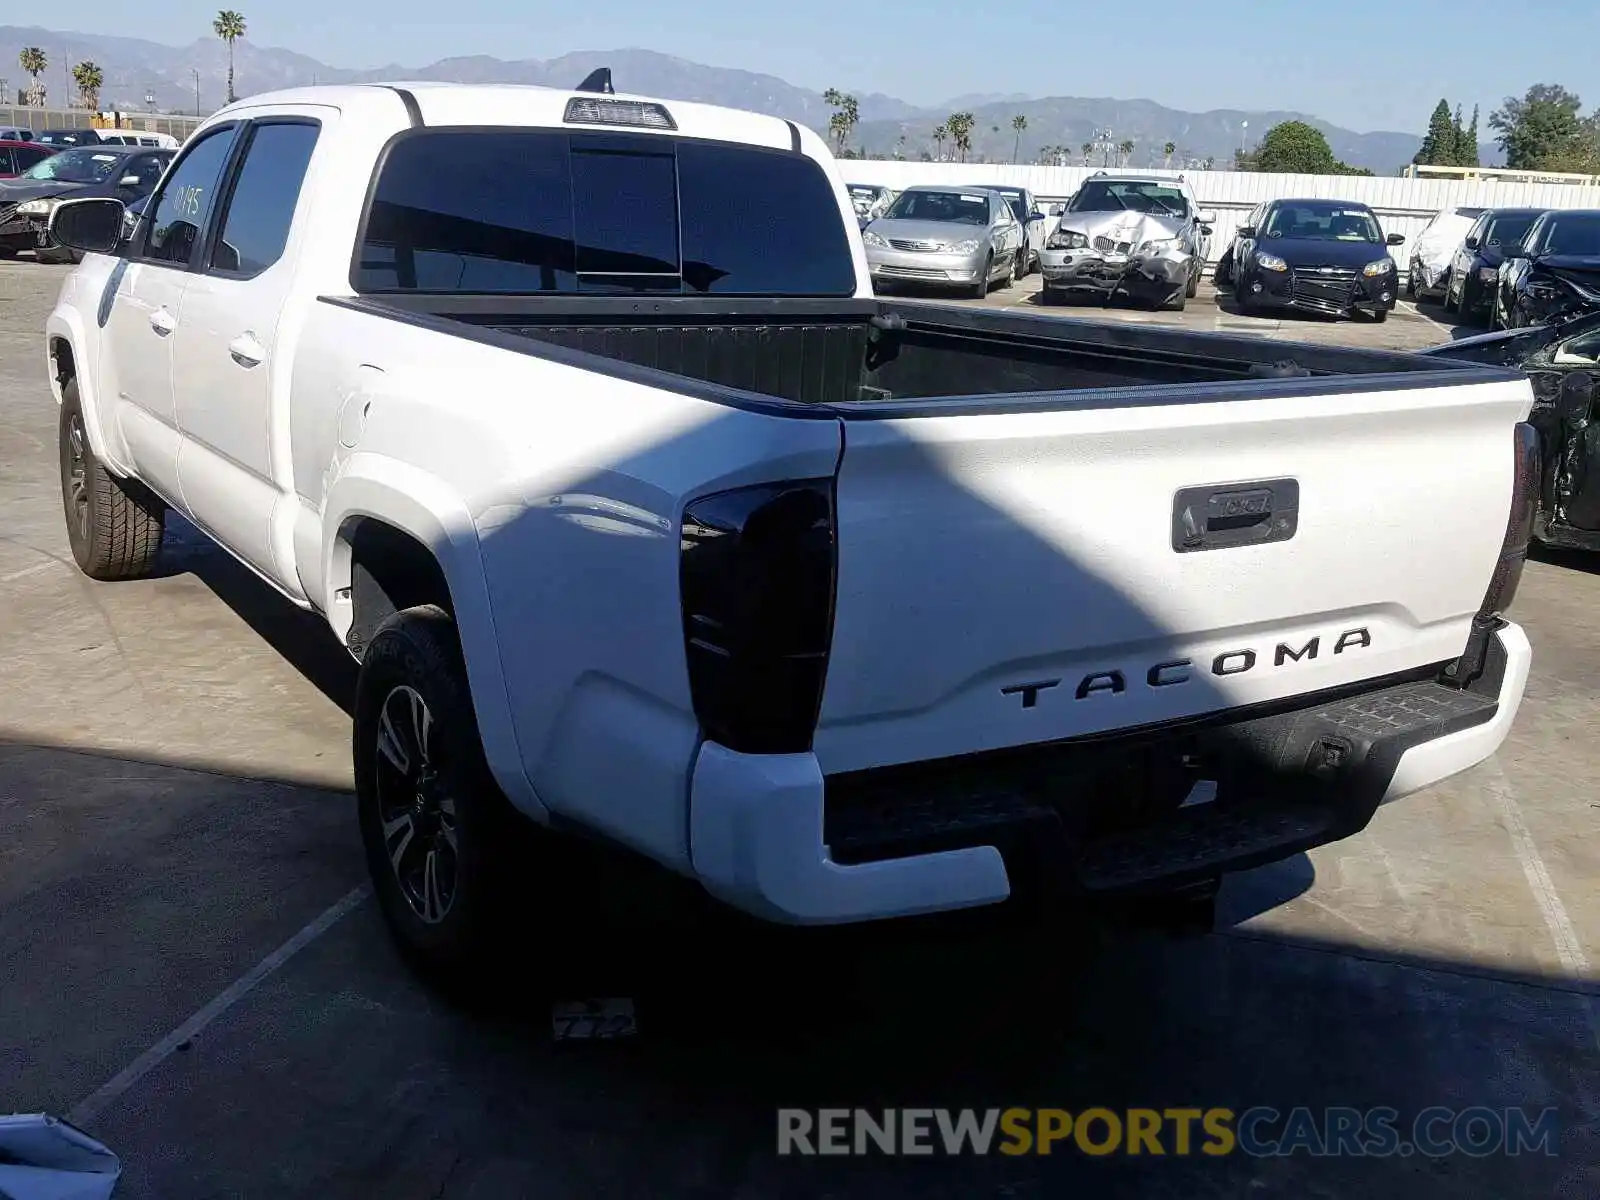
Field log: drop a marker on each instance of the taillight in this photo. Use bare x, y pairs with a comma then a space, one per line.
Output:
756, 576
1519, 525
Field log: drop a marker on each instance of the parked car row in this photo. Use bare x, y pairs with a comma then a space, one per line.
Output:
1511, 267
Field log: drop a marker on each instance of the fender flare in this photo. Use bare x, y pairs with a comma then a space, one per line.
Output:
65, 324
422, 506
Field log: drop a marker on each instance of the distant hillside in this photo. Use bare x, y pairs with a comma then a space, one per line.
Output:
135, 68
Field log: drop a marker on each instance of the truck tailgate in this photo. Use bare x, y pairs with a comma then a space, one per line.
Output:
1014, 577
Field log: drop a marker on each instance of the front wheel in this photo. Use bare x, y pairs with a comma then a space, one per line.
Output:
1380, 316
1450, 304
114, 526
441, 840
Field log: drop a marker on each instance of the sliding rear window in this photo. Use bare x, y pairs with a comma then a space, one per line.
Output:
519, 211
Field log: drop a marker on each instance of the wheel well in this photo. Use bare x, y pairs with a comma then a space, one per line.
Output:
61, 356
389, 571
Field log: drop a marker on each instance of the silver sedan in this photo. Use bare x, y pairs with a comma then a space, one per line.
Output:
946, 237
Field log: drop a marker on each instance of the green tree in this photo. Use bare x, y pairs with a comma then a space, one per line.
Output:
1125, 151
900, 148
1088, 149
1439, 143
940, 133
846, 116
229, 26
960, 125
34, 61
1467, 147
1018, 124
1169, 150
1539, 128
89, 78
1294, 148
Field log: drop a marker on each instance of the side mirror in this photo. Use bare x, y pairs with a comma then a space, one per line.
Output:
1247, 231
1396, 239
1471, 243
1035, 215
1055, 210
93, 226
1205, 217
128, 181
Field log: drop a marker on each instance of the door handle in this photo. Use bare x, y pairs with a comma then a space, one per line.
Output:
163, 322
246, 351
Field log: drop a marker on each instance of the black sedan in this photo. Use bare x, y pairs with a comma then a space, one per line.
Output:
1562, 361
1321, 256
118, 172
1553, 272
1469, 284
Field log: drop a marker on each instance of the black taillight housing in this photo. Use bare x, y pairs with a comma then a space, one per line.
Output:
757, 572
1519, 524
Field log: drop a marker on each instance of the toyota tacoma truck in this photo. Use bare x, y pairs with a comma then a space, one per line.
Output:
575, 416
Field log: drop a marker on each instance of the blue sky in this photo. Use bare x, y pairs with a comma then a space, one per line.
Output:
1365, 64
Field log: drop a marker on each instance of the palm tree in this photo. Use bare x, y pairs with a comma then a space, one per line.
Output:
1088, 149
940, 132
1126, 151
1018, 124
229, 26
34, 62
900, 148
89, 79
1169, 150
846, 116
960, 125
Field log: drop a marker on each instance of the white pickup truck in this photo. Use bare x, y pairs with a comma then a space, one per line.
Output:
576, 417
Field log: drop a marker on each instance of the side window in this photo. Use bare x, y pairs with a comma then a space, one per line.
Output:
27, 156
181, 210
255, 227
8, 162
1583, 350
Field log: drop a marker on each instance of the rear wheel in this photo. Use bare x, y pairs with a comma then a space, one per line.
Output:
114, 526
1223, 275
1020, 270
1193, 289
1450, 304
442, 843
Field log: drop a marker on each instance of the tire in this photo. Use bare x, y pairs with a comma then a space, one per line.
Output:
1470, 301
7, 253
1193, 288
1223, 275
1497, 319
981, 289
114, 526
1450, 305
1019, 270
444, 872
1411, 280
1379, 317
1049, 296
1176, 304
59, 255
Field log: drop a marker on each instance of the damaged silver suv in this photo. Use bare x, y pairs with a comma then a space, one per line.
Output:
1141, 236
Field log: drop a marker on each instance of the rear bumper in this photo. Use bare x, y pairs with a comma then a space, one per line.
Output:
770, 835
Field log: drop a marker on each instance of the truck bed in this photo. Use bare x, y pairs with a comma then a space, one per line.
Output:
876, 352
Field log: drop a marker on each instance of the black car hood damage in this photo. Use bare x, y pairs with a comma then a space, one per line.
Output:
1566, 397
1581, 272
1323, 252
14, 191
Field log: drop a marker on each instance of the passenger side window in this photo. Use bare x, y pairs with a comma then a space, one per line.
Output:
8, 162
181, 210
27, 156
255, 227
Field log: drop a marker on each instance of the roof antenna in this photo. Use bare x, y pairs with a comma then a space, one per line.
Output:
598, 80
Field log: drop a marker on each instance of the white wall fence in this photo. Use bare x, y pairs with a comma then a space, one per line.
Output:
1403, 205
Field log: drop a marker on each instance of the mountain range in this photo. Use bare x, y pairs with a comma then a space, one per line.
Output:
193, 77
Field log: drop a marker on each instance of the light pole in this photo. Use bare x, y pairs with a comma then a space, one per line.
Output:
1244, 135
195, 71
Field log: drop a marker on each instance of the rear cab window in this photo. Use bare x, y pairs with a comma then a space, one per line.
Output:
523, 211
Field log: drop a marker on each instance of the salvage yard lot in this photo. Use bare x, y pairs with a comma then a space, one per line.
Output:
174, 809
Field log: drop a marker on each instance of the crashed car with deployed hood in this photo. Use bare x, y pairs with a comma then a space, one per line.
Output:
1434, 249
1553, 272
1142, 236
1562, 361
1321, 256
869, 200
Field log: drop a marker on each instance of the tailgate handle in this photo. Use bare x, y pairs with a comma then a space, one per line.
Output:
1219, 515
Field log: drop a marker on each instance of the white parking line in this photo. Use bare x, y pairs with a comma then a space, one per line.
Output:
36, 569
1569, 948
110, 1091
